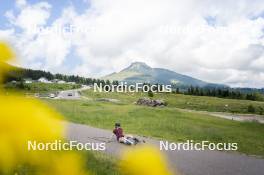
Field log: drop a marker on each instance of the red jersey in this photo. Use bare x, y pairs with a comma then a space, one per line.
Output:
118, 132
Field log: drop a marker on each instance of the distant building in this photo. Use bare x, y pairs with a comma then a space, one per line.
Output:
28, 80
52, 95
43, 80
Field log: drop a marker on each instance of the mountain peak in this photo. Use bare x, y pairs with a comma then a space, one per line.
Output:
139, 63
138, 66
141, 72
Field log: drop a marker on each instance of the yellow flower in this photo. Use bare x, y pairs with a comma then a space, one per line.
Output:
143, 161
6, 54
22, 120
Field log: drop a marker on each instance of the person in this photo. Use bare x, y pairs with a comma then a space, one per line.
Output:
121, 138
118, 131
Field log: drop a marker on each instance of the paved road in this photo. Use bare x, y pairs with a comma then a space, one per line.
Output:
69, 94
73, 94
225, 115
186, 162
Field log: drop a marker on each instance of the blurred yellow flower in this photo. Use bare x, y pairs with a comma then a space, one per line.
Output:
22, 120
6, 54
144, 160
28, 119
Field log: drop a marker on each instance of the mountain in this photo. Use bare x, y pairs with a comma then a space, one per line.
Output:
141, 72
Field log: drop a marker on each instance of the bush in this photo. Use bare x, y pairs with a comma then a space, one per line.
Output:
21, 85
27, 87
261, 110
251, 109
150, 94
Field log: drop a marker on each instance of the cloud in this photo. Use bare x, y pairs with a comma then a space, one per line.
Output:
29, 15
177, 35
37, 50
217, 41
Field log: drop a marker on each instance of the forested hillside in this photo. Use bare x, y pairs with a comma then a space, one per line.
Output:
18, 74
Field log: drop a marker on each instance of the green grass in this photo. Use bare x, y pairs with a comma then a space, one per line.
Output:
97, 163
40, 87
165, 123
212, 104
101, 164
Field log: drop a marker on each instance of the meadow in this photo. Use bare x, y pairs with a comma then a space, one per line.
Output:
199, 103
168, 123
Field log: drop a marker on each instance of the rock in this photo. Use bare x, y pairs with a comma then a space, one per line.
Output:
149, 102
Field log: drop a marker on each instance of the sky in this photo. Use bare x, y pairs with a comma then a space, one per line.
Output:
218, 41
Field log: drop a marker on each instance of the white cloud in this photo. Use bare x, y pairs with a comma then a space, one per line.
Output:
30, 15
163, 33
36, 50
21, 3
127, 31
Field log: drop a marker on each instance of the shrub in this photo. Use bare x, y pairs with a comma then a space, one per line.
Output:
21, 85
261, 110
150, 94
251, 109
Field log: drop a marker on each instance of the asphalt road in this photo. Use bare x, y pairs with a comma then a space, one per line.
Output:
229, 116
73, 94
186, 162
69, 94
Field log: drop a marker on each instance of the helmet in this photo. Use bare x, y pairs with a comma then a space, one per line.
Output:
117, 125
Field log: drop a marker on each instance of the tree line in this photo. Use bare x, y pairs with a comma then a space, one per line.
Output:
222, 93
19, 74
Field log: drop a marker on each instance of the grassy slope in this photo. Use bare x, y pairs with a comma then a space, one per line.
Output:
121, 75
212, 104
167, 123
